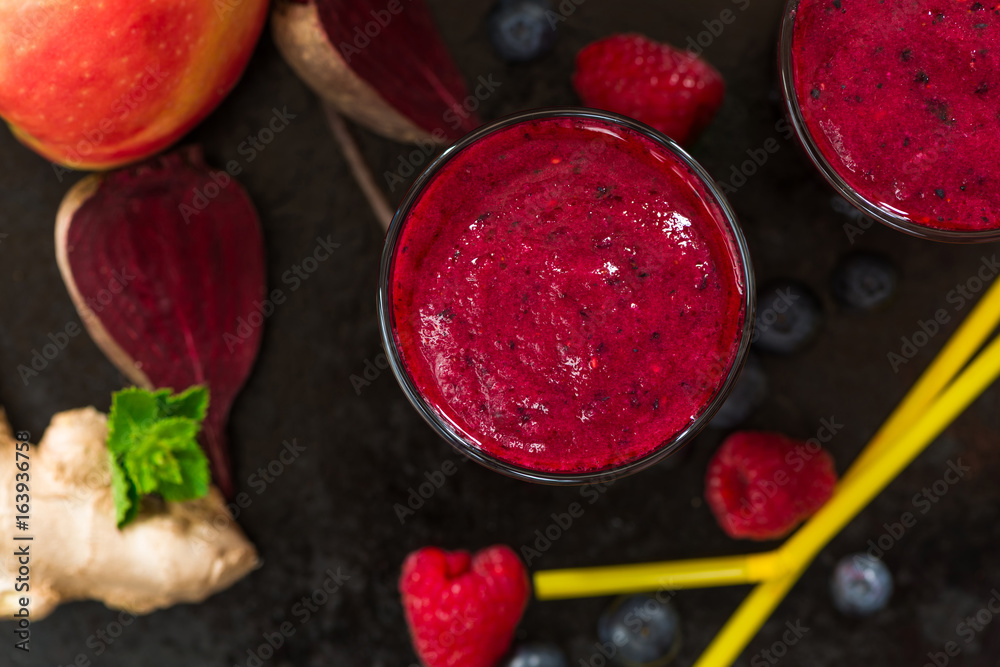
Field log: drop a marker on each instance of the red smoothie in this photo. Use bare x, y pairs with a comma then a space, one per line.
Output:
902, 98
567, 294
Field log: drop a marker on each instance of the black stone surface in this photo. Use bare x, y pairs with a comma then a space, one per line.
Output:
334, 506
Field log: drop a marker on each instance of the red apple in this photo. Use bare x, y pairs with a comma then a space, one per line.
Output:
93, 85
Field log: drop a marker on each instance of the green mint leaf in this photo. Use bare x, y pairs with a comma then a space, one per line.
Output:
191, 403
139, 474
123, 492
195, 473
151, 461
152, 443
132, 411
172, 432
167, 468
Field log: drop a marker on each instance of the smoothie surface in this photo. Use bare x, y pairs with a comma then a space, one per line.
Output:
567, 294
902, 98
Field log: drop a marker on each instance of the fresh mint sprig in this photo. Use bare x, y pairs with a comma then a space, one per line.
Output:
153, 447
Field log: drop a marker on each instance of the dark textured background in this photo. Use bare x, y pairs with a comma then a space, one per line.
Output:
334, 506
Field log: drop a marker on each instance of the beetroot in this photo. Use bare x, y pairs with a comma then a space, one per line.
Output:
382, 64
161, 259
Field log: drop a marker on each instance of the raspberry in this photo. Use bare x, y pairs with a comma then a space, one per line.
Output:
674, 91
762, 485
462, 611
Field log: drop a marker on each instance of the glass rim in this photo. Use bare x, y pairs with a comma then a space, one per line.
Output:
445, 429
832, 176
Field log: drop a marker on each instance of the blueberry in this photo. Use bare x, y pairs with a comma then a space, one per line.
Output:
520, 29
861, 585
747, 395
536, 655
642, 630
788, 317
864, 281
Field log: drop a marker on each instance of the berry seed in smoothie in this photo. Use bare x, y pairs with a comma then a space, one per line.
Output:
902, 99
567, 294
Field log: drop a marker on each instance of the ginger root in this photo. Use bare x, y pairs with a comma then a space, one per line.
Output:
172, 553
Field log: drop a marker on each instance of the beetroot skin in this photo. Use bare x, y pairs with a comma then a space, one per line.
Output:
161, 258
401, 55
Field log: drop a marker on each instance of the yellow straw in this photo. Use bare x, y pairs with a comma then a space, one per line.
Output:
968, 338
869, 481
928, 408
744, 624
669, 575
848, 501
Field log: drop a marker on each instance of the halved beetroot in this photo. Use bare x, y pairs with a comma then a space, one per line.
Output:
161, 259
381, 64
